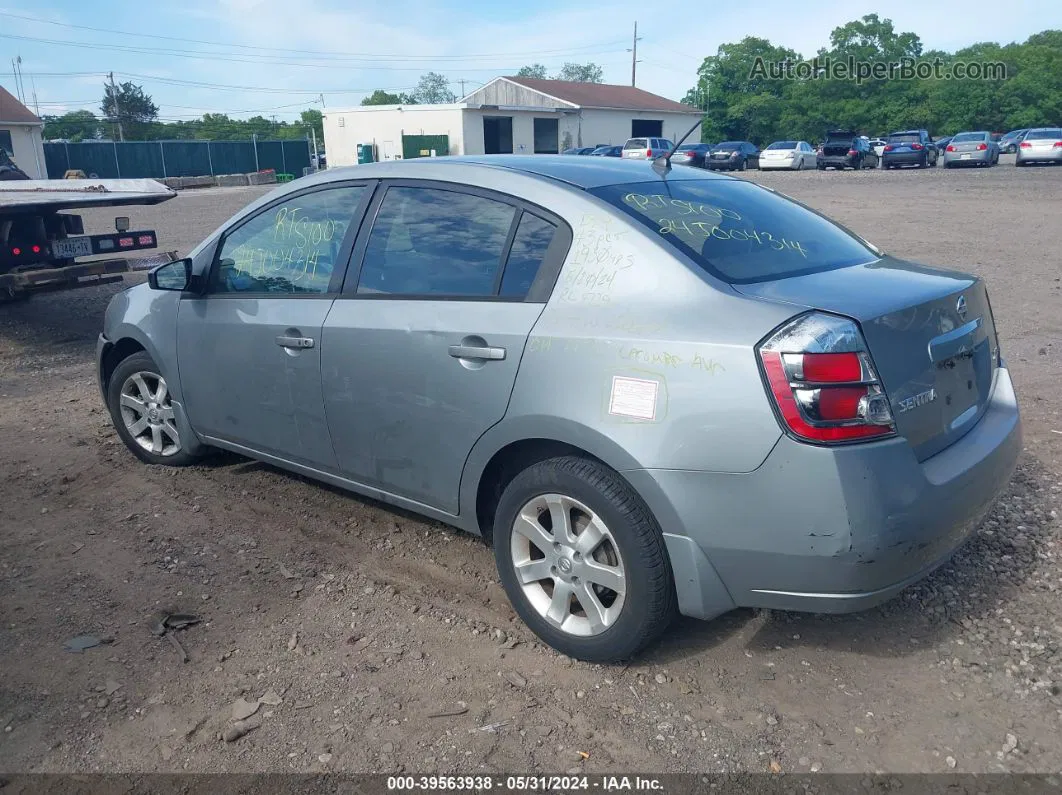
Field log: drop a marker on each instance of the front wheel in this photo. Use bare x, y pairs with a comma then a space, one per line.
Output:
583, 560
142, 411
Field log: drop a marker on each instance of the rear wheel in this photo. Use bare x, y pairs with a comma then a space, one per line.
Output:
141, 408
583, 560
743, 165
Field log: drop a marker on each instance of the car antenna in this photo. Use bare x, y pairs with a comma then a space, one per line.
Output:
664, 161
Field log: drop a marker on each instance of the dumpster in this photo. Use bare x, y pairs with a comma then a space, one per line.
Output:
365, 153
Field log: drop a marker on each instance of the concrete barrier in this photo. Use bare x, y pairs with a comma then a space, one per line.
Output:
231, 180
262, 178
196, 182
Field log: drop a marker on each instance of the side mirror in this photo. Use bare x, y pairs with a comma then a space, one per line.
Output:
174, 276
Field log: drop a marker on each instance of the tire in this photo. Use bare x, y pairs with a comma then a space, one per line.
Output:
1019, 164
924, 162
744, 165
800, 165
136, 381
631, 546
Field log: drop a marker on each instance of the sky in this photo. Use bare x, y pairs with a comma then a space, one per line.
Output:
278, 57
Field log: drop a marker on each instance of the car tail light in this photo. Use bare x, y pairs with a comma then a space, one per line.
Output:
852, 152
16, 251
1026, 145
648, 152
916, 146
1057, 145
888, 148
823, 382
980, 147
949, 148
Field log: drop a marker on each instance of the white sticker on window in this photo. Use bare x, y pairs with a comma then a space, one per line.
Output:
633, 397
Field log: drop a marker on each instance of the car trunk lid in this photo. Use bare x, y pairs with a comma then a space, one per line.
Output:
837, 147
930, 333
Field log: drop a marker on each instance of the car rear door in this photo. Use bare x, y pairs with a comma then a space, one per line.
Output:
249, 348
420, 353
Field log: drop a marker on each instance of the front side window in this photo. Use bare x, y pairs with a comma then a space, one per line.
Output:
736, 230
290, 248
436, 242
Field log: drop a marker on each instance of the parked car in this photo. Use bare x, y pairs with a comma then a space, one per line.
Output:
691, 155
1040, 145
8, 169
941, 144
1008, 144
793, 155
608, 151
878, 145
733, 156
971, 149
579, 150
813, 364
845, 149
910, 148
646, 148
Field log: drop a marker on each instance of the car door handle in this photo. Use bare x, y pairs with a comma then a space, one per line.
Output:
477, 352
295, 342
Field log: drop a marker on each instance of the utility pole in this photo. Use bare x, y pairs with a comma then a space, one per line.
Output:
20, 87
117, 110
634, 56
462, 82
36, 106
322, 100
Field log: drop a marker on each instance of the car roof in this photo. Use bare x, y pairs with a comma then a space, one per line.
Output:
583, 173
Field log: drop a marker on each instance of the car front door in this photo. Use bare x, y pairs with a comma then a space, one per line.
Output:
249, 347
420, 353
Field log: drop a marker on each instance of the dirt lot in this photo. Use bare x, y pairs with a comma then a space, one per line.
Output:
384, 643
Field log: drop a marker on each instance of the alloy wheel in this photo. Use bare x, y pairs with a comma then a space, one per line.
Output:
568, 565
147, 413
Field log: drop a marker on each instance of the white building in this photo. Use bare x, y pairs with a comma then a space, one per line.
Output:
508, 115
21, 136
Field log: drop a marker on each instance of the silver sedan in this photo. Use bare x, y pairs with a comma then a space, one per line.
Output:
1040, 145
654, 390
792, 155
971, 149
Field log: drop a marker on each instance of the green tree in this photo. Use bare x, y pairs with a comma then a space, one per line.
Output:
433, 89
535, 70
74, 126
381, 97
127, 105
581, 73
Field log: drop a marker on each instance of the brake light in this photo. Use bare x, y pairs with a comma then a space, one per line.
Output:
36, 249
648, 152
980, 147
950, 148
888, 148
823, 381
916, 146
852, 152
1057, 145
1026, 145
16, 251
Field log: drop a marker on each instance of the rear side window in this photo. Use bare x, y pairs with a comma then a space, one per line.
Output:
636, 143
532, 241
736, 230
1041, 135
433, 242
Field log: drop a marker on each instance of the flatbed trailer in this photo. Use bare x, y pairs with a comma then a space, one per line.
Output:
43, 248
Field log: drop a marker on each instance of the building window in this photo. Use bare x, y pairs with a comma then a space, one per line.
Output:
5, 143
547, 136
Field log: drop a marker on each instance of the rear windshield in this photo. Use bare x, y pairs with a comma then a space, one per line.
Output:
966, 137
904, 138
783, 145
727, 147
1040, 135
736, 230
840, 136
690, 147
636, 143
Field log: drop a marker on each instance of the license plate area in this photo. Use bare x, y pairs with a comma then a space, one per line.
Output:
960, 381
72, 247
964, 157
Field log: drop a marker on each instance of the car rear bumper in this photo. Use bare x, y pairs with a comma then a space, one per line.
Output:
1051, 155
836, 161
830, 530
972, 158
781, 162
904, 158
723, 165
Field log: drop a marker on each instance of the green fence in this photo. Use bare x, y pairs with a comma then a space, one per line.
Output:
158, 159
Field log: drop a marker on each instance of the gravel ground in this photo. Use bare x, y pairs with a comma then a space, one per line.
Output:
352, 637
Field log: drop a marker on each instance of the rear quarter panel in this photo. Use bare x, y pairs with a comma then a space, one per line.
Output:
627, 307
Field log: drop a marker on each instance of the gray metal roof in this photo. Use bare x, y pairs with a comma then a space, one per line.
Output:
579, 171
